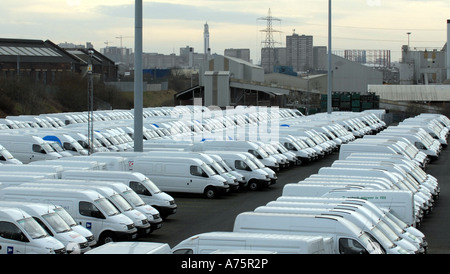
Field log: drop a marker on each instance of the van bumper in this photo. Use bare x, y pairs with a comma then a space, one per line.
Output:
165, 211
129, 235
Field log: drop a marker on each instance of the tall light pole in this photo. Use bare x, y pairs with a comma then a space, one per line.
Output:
330, 70
138, 78
90, 102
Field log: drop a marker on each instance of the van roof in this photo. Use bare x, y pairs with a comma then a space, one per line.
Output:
171, 159
13, 213
45, 191
247, 235
292, 217
39, 208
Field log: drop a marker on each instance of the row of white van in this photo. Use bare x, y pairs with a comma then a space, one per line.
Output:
109, 211
363, 204
311, 143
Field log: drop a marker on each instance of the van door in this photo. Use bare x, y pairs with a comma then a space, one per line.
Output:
196, 182
90, 217
12, 239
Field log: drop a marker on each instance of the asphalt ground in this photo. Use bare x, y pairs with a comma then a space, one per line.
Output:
197, 214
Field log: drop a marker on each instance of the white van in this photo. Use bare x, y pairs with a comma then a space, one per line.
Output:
112, 163
401, 202
8, 179
21, 234
346, 237
383, 234
33, 169
241, 146
255, 177
88, 207
173, 174
53, 224
210, 242
137, 181
385, 148
128, 203
422, 195
28, 148
132, 248
73, 224
7, 158
366, 208
140, 220
231, 180
383, 213
69, 164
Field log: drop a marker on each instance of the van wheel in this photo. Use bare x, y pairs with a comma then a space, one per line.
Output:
252, 185
210, 192
106, 237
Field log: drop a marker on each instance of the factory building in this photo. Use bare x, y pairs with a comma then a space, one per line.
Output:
45, 61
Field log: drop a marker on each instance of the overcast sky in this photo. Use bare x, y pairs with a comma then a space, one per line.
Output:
172, 24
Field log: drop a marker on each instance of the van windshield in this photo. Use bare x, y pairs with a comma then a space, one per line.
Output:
372, 246
133, 198
6, 154
33, 228
56, 222
208, 170
65, 216
121, 202
108, 208
150, 185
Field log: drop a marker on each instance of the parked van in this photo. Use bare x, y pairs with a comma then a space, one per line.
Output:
53, 224
231, 180
73, 224
28, 148
401, 202
255, 177
132, 248
173, 174
111, 163
88, 207
21, 234
366, 208
7, 158
140, 220
381, 232
138, 182
33, 169
386, 148
210, 242
135, 202
241, 146
69, 164
346, 237
422, 196
8, 179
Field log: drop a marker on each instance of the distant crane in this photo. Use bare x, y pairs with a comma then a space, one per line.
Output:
107, 43
121, 39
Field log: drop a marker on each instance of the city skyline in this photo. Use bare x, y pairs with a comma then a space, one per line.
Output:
171, 25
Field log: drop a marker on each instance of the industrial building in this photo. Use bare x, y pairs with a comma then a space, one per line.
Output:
45, 61
229, 81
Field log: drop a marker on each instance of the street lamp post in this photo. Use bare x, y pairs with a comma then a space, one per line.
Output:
330, 70
90, 102
138, 78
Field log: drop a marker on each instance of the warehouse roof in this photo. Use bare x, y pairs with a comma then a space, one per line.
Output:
32, 51
412, 93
